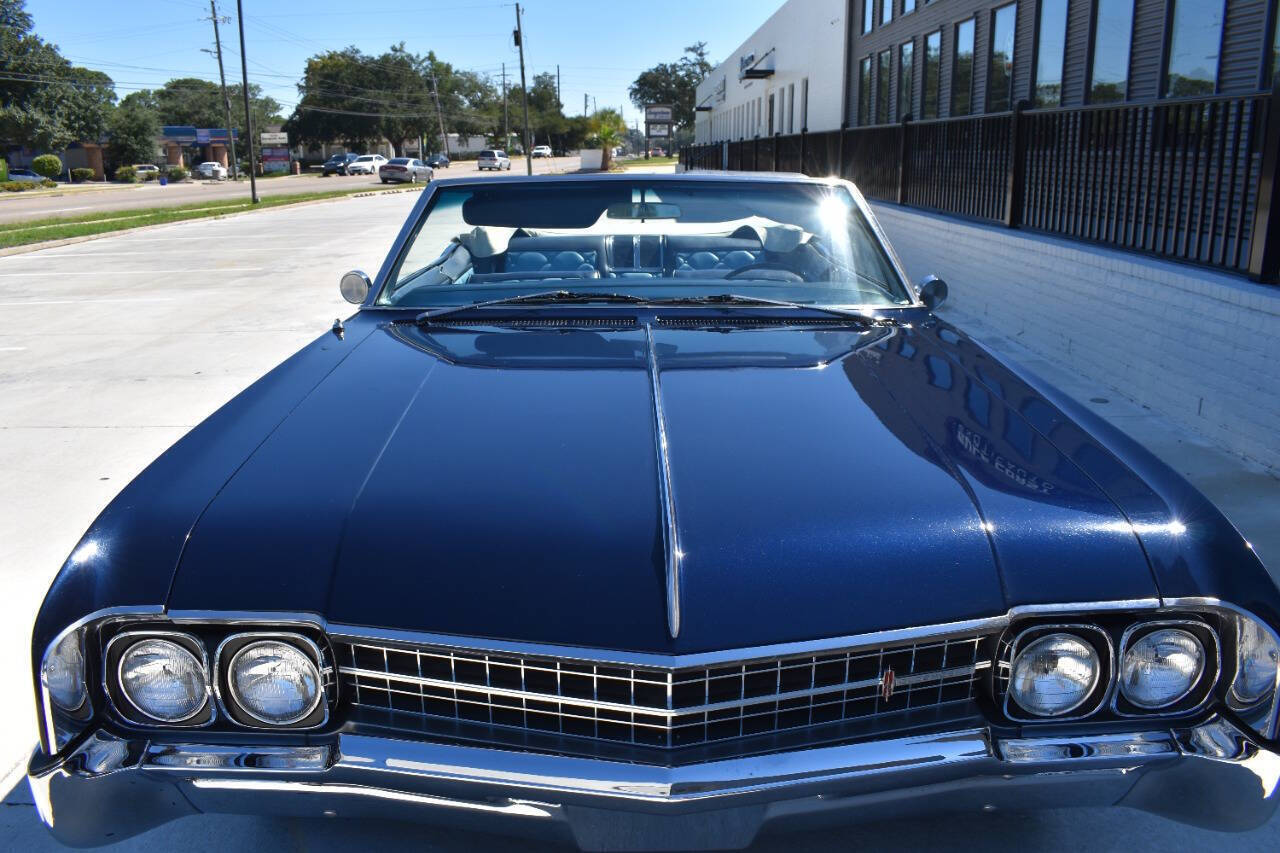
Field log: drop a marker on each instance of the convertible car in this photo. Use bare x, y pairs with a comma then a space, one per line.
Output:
648, 512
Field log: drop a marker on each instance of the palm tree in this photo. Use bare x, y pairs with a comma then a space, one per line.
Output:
609, 131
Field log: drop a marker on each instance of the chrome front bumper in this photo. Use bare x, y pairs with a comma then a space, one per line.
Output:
1211, 775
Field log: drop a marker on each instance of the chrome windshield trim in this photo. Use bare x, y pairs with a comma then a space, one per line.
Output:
670, 532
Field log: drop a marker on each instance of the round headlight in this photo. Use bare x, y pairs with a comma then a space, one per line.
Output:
63, 673
274, 682
163, 680
1054, 675
1257, 658
1161, 667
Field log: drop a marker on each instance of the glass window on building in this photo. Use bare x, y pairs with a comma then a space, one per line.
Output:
771, 105
1112, 34
962, 70
868, 15
1195, 38
908, 6
883, 67
804, 104
1051, 43
932, 74
791, 108
864, 91
886, 11
906, 78
1000, 74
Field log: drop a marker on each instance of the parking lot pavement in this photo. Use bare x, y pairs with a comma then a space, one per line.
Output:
77, 202
113, 348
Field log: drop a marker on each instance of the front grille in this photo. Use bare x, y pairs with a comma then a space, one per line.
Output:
653, 706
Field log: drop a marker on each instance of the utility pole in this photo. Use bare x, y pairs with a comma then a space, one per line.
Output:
226, 99
584, 102
559, 102
506, 132
444, 140
524, 95
248, 117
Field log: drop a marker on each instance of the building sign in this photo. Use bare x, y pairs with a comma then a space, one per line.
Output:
654, 113
187, 135
744, 62
659, 130
275, 159
719, 92
274, 138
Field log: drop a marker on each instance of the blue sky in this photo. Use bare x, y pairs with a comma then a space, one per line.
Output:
600, 46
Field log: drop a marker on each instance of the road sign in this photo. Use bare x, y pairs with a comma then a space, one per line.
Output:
657, 113
274, 138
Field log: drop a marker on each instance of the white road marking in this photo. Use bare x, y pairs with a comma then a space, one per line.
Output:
133, 272
12, 349
80, 301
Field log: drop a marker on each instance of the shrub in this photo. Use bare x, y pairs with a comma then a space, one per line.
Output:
127, 174
48, 183
79, 176
177, 173
47, 165
4, 170
149, 176
22, 186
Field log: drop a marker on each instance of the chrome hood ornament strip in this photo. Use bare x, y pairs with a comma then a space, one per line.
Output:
670, 532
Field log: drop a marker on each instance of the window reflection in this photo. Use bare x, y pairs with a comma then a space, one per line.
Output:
1112, 33
906, 78
1000, 75
1050, 50
962, 70
884, 65
932, 73
1194, 41
978, 402
939, 371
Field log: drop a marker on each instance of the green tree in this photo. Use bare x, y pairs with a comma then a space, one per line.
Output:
608, 130
674, 83
45, 102
134, 129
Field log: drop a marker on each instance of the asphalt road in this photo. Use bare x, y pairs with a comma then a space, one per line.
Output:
78, 200
113, 348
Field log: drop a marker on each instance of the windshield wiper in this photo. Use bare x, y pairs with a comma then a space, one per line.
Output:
545, 296
739, 299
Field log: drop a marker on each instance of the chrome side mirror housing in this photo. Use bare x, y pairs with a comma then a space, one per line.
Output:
355, 287
933, 291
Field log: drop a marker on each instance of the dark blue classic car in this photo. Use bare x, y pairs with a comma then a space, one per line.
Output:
652, 512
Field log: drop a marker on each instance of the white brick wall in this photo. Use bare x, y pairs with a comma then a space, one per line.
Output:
1199, 347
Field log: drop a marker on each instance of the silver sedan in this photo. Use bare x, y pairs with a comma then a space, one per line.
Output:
405, 169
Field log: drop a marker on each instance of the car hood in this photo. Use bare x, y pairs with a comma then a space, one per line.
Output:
503, 483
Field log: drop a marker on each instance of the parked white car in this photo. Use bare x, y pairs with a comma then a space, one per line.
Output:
541, 151
25, 175
211, 170
366, 164
492, 158
408, 169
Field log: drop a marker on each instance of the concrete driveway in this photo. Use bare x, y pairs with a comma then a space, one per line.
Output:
113, 348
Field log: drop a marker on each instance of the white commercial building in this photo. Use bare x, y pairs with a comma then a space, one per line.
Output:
789, 75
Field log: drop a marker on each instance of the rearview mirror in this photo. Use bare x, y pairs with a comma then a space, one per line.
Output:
643, 210
933, 291
355, 287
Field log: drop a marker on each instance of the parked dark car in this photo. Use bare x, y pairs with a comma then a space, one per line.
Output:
438, 161
337, 164
647, 511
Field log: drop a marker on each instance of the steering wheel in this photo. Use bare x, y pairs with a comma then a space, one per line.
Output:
781, 272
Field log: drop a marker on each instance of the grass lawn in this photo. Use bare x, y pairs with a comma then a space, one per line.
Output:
103, 221
652, 161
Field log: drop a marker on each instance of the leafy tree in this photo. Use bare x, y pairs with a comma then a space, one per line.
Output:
608, 130
336, 100
674, 83
45, 101
134, 129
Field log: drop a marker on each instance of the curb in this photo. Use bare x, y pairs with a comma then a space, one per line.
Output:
65, 193
71, 241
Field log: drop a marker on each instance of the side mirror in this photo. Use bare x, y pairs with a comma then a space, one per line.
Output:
933, 291
355, 287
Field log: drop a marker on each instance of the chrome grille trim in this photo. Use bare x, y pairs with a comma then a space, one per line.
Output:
664, 707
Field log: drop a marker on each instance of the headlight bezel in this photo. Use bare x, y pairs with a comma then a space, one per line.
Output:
317, 715
1201, 692
1088, 633
126, 708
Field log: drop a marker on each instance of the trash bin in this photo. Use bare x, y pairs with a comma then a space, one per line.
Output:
164, 180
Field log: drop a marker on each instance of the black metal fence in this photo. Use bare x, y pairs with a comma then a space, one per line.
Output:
1191, 180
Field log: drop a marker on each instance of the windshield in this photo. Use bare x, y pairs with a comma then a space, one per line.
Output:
649, 238
399, 160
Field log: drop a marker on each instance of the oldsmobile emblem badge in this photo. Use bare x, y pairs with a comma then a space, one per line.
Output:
886, 684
